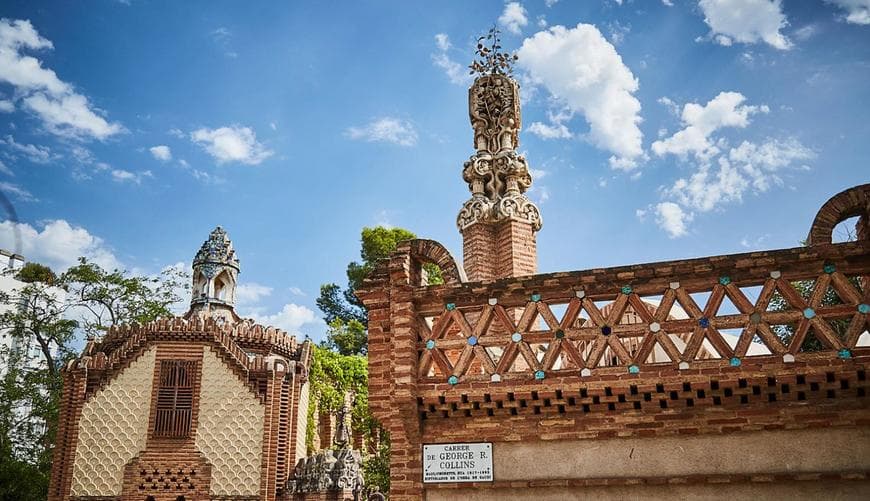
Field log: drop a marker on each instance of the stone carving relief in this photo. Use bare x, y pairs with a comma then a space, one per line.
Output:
328, 470
496, 174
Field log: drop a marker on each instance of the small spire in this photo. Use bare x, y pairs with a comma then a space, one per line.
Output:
215, 275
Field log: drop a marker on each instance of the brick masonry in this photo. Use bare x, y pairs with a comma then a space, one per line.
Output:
172, 467
789, 391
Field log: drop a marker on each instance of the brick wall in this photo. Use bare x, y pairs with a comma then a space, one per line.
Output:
240, 446
770, 399
499, 250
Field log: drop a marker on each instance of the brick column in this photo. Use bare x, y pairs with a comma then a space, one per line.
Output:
387, 295
498, 223
66, 438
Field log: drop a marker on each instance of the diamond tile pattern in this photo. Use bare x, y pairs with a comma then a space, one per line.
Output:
531, 338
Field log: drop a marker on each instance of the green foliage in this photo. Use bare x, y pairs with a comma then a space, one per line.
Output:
331, 377
376, 467
35, 272
336, 304
38, 322
116, 297
347, 338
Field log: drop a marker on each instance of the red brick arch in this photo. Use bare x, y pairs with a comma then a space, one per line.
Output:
848, 203
424, 250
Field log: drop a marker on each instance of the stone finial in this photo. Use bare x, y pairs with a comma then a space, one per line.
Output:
215, 275
496, 174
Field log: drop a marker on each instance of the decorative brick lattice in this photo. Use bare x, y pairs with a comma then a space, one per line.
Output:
113, 429
230, 430
728, 320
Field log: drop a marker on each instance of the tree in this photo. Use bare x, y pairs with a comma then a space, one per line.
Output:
116, 297
49, 314
347, 338
35, 272
341, 308
39, 336
333, 376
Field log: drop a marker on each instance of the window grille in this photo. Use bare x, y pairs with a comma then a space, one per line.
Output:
174, 398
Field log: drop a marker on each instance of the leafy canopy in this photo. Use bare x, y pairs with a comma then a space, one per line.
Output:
42, 321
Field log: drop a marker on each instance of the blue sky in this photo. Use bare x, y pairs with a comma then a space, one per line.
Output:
656, 129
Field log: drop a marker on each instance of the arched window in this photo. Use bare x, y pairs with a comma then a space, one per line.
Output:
220, 286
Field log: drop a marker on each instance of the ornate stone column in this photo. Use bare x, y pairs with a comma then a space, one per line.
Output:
498, 223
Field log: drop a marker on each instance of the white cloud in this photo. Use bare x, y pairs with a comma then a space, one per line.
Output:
4, 169
57, 245
618, 32
668, 3
454, 71
162, 153
17, 191
291, 318
62, 110
34, 153
673, 108
6, 106
514, 17
857, 11
251, 293
750, 166
806, 32
550, 3
231, 144
583, 71
671, 218
385, 129
296, 291
537, 174
701, 121
746, 21
556, 129
125, 176
442, 41
176, 132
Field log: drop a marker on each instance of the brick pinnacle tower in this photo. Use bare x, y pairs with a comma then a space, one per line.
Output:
498, 223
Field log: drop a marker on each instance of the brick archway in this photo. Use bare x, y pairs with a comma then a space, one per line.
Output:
848, 203
424, 250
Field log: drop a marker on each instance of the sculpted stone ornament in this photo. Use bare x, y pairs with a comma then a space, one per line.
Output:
496, 174
328, 470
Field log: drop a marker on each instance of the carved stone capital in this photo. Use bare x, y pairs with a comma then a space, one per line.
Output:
520, 208
477, 209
